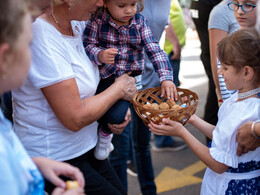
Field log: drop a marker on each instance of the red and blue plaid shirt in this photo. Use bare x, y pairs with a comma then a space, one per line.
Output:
130, 40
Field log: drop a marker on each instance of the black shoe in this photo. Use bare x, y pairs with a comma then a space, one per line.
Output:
174, 147
131, 170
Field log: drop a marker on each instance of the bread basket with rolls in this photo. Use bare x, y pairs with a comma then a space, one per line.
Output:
151, 107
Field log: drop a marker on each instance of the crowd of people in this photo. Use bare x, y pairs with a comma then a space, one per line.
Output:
73, 67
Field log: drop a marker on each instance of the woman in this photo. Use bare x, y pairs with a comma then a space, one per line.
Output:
19, 173
57, 101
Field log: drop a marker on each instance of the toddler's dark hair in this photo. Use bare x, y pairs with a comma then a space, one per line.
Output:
241, 48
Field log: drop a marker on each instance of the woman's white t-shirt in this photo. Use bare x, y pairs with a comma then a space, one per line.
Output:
55, 58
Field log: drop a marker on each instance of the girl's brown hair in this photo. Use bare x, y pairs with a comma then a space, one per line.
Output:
12, 13
241, 48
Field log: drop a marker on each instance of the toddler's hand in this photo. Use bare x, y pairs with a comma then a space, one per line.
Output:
107, 56
169, 88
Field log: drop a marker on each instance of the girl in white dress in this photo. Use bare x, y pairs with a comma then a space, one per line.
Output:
228, 173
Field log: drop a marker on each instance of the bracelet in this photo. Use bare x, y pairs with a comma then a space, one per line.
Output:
252, 129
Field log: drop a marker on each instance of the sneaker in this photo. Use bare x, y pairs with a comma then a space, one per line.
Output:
176, 146
131, 170
104, 146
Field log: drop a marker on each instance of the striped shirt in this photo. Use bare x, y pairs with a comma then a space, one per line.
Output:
131, 41
225, 93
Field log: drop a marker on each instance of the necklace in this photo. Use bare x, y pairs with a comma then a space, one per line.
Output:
57, 23
249, 93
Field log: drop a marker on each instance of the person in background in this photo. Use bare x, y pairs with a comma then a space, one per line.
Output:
200, 10
248, 136
157, 14
175, 40
246, 18
221, 22
227, 173
21, 174
116, 38
39, 7
56, 110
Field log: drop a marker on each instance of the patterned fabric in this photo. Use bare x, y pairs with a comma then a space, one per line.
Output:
244, 187
131, 41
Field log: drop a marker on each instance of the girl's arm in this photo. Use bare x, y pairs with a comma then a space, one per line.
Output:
172, 128
74, 113
205, 127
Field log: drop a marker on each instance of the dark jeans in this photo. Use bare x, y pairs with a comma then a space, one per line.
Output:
139, 135
204, 8
100, 177
175, 69
6, 105
116, 114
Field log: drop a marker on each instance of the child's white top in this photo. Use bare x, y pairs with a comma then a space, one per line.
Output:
232, 115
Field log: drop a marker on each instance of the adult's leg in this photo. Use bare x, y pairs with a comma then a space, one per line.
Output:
140, 136
100, 177
119, 156
201, 23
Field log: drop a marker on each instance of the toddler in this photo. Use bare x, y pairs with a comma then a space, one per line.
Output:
115, 39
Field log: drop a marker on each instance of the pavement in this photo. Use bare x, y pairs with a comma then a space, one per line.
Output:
181, 172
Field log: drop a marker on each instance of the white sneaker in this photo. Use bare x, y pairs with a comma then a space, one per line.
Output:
103, 147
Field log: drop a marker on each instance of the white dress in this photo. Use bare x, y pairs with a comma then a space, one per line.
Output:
243, 176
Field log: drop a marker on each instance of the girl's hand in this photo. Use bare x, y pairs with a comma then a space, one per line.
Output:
61, 191
169, 88
171, 128
118, 128
107, 56
51, 170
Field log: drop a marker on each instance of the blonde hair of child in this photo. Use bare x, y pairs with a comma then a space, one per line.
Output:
11, 20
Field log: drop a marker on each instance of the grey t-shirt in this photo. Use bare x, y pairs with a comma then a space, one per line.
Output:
157, 14
221, 17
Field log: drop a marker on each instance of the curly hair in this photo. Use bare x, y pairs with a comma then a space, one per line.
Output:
241, 48
11, 20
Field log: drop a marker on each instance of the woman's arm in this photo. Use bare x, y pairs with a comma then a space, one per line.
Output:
173, 128
215, 36
74, 113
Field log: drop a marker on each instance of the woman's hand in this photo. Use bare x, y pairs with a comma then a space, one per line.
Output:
118, 128
61, 191
51, 170
246, 141
127, 85
169, 88
171, 128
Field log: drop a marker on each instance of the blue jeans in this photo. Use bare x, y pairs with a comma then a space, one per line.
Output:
139, 135
162, 140
116, 114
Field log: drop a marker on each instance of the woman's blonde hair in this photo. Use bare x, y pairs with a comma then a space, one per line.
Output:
12, 13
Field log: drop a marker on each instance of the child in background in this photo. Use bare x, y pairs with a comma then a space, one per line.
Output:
115, 39
245, 14
227, 173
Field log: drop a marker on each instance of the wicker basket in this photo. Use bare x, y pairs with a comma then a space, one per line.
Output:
153, 95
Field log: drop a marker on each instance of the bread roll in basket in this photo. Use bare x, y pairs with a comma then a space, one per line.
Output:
145, 104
